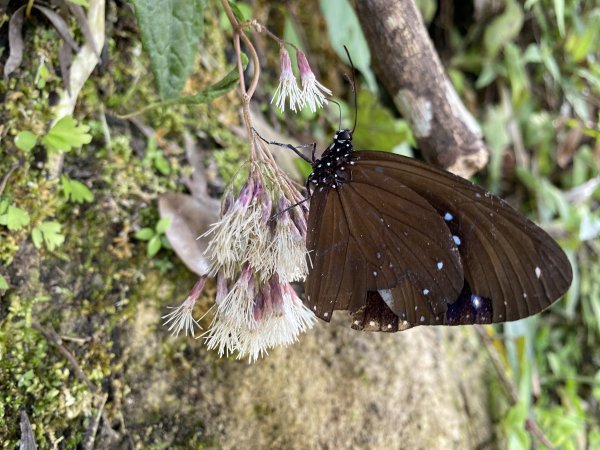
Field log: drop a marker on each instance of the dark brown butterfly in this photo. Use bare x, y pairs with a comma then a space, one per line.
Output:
399, 243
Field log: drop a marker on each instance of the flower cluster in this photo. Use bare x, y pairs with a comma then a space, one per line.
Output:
257, 249
312, 93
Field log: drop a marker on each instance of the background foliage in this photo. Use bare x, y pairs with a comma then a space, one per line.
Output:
529, 71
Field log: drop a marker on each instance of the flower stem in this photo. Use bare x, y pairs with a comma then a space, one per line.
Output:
246, 94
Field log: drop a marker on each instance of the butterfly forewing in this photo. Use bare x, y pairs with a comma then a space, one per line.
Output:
375, 233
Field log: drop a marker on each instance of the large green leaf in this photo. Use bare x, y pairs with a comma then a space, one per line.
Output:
344, 29
170, 33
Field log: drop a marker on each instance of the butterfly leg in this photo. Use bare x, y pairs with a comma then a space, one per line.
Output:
275, 216
290, 146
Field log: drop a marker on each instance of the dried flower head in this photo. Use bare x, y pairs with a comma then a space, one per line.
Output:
238, 230
313, 92
257, 247
288, 246
181, 318
288, 87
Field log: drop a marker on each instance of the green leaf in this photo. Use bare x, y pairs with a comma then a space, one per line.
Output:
378, 129
65, 135
144, 234
580, 45
163, 225
36, 236
165, 242
154, 245
25, 140
161, 164
50, 232
170, 34
495, 130
503, 28
80, 2
427, 9
3, 205
344, 29
218, 89
559, 10
241, 11
3, 283
76, 191
14, 218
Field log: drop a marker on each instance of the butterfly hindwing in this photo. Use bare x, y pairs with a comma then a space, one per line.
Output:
508, 260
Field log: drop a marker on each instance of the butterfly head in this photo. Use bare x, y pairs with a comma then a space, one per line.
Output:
342, 136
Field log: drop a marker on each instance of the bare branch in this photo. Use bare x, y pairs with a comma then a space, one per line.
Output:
412, 73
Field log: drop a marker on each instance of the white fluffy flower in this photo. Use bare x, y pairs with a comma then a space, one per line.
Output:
288, 87
182, 317
288, 247
313, 92
237, 232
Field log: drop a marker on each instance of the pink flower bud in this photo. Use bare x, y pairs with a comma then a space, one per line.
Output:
303, 65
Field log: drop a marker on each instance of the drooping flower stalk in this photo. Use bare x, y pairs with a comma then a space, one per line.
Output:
258, 246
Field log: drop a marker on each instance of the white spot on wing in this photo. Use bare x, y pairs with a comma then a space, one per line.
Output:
538, 272
372, 323
440, 264
456, 240
425, 291
448, 217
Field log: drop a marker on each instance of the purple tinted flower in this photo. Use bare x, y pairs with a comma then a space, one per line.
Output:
181, 318
289, 246
313, 92
287, 85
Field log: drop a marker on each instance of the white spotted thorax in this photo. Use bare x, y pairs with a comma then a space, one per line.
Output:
330, 171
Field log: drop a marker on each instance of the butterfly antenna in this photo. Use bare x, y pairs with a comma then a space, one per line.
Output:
353, 89
340, 108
